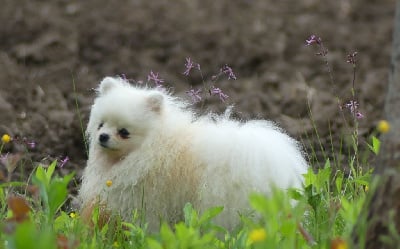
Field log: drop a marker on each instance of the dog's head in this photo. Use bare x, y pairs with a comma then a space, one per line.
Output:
122, 116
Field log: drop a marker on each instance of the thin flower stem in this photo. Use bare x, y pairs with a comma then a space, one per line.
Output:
324, 53
355, 117
208, 86
79, 116
354, 78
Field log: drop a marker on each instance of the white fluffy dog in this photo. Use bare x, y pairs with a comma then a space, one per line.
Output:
159, 156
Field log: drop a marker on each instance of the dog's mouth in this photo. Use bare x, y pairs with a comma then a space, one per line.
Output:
105, 146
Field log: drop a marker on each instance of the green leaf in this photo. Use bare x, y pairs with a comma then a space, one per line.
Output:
324, 175
363, 180
376, 145
37, 179
61, 221
209, 214
52, 191
167, 236
191, 216
50, 170
259, 202
57, 195
295, 194
12, 184
41, 176
339, 181
313, 199
310, 177
27, 236
153, 244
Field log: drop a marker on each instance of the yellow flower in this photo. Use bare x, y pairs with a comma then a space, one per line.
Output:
116, 244
108, 183
339, 244
72, 215
5, 138
383, 126
257, 235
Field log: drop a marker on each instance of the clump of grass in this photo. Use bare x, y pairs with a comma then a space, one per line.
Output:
319, 217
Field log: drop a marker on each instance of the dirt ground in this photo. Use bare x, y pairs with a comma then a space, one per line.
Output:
48, 48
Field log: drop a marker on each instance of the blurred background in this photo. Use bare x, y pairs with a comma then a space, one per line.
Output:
48, 48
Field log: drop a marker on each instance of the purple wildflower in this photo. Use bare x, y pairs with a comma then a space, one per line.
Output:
359, 115
228, 71
313, 39
216, 91
351, 58
31, 144
195, 95
24, 140
353, 108
4, 158
63, 161
189, 65
154, 77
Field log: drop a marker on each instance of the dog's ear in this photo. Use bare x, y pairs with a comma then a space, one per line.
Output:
155, 102
106, 84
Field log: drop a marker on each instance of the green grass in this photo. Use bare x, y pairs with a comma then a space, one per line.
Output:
321, 215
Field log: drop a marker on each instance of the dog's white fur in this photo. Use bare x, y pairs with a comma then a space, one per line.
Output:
173, 157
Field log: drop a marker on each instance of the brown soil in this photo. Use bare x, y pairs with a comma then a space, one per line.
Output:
49, 47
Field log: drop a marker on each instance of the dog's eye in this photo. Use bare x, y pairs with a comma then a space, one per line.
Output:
100, 125
123, 133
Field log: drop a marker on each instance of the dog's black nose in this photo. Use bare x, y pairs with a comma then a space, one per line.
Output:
103, 137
